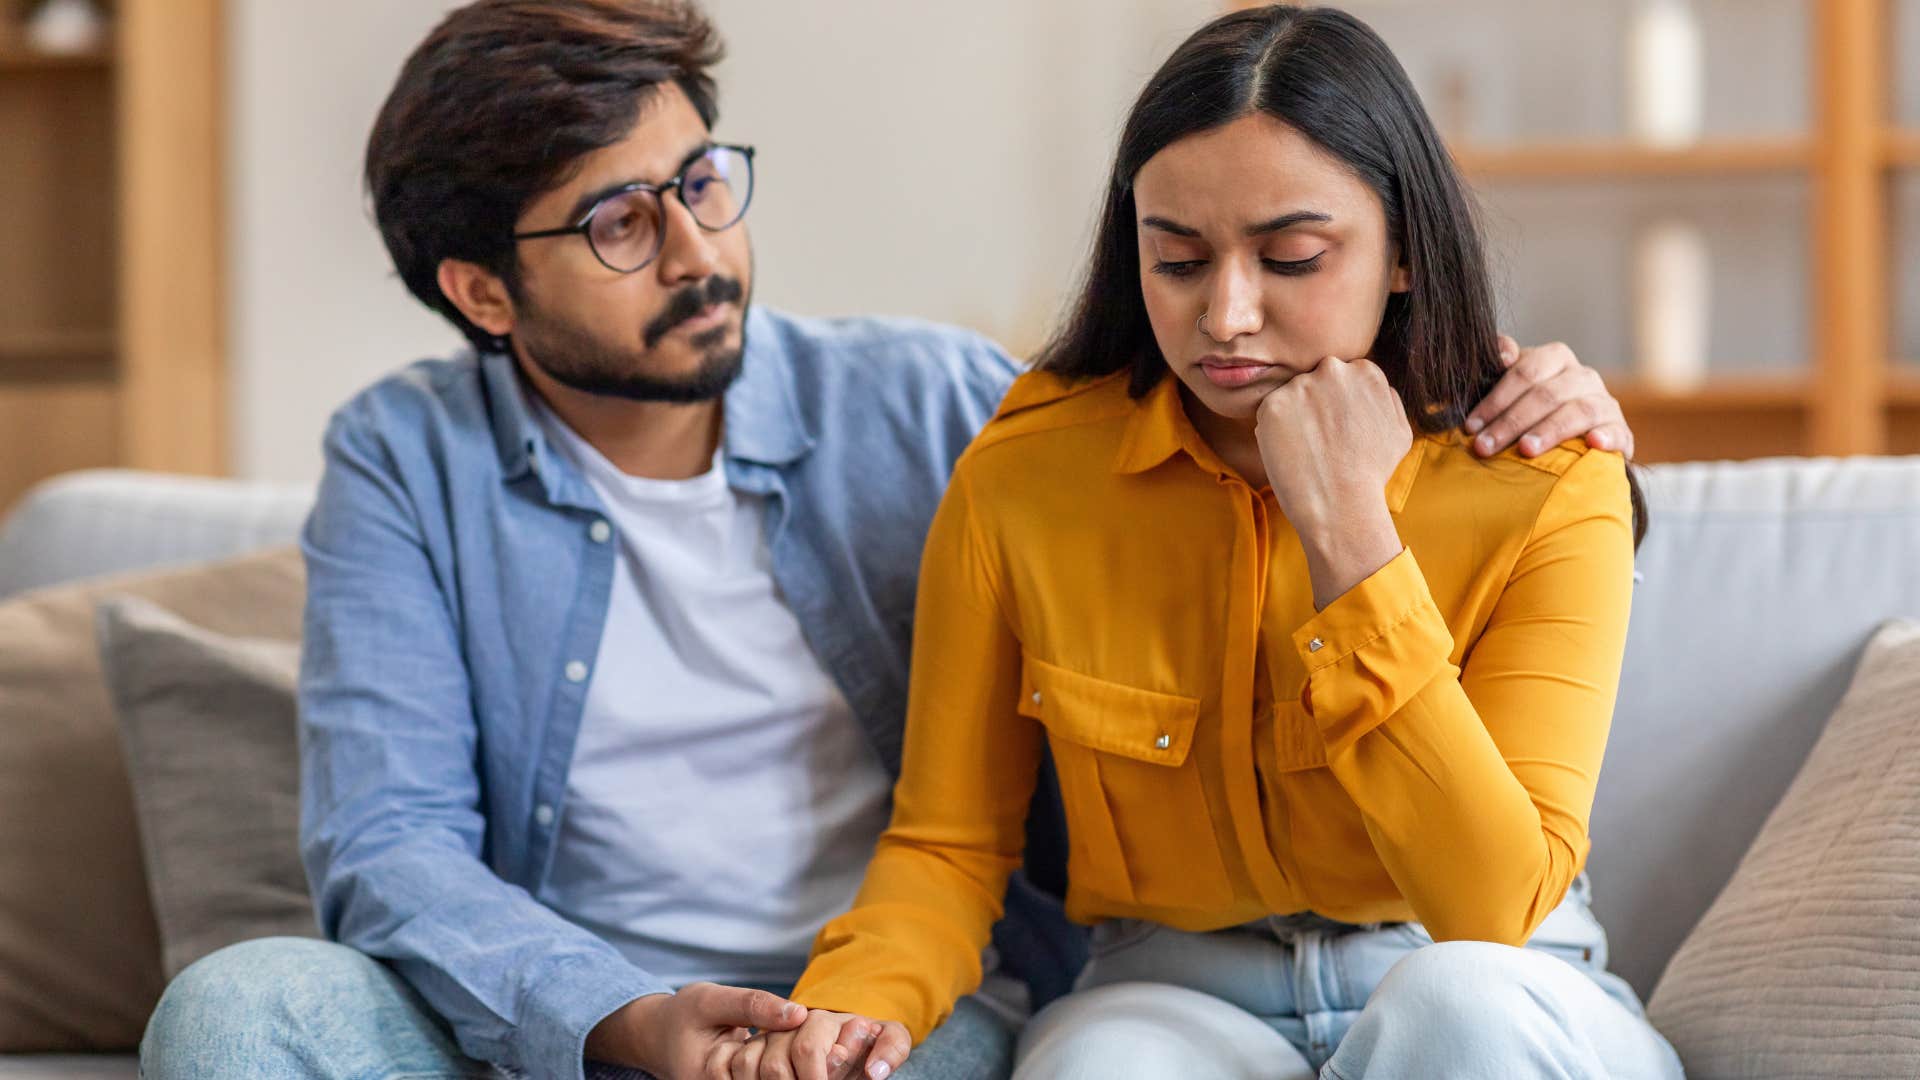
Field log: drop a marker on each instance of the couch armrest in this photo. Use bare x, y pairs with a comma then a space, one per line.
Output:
85, 524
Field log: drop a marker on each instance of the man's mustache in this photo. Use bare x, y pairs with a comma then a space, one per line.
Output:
691, 301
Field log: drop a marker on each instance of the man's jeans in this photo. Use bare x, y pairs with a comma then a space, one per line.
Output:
1293, 997
284, 1008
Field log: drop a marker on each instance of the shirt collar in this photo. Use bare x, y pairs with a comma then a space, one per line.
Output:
763, 418
1159, 428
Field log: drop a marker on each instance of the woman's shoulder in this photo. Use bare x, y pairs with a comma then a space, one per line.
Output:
1512, 491
1042, 402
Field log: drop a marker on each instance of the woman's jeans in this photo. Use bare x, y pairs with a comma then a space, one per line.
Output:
1300, 996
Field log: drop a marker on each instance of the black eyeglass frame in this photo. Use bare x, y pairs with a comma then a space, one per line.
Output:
677, 186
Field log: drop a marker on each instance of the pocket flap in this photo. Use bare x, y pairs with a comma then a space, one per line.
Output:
1108, 716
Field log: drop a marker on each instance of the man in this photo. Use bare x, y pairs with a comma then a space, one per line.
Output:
608, 620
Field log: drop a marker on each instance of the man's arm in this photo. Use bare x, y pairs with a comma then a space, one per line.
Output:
392, 828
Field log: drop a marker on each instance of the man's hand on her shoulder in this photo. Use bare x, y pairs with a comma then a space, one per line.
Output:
1546, 397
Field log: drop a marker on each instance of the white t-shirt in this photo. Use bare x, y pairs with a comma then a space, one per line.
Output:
723, 801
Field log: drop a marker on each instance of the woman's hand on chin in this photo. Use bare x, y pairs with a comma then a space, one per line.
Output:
1331, 439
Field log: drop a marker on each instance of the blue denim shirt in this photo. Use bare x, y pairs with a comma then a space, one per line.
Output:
456, 598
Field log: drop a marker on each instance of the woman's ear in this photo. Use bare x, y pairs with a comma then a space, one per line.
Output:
1402, 280
479, 294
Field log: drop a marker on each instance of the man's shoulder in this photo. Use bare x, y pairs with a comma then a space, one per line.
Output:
419, 398
906, 353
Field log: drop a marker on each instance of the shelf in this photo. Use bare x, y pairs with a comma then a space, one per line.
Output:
1593, 159
56, 345
1903, 386
1902, 147
17, 57
1724, 394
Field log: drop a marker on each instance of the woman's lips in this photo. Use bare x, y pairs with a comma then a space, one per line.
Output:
1231, 374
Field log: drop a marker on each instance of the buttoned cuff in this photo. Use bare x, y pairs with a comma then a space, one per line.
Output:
1371, 651
565, 1008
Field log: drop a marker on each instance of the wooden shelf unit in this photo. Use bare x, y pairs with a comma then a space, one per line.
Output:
111, 284
15, 57
1850, 401
1597, 160
1901, 148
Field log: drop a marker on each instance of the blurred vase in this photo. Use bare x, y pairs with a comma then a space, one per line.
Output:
1665, 73
67, 26
1672, 305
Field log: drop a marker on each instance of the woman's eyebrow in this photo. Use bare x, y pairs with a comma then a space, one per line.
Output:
1288, 221
1166, 226
1272, 225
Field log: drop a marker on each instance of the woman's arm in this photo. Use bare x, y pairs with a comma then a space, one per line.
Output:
1476, 784
911, 945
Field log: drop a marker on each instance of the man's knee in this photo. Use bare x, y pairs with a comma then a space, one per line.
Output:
231, 1005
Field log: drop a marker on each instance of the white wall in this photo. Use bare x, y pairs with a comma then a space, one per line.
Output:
939, 160
316, 311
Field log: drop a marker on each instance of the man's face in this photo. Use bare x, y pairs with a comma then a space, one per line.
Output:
671, 331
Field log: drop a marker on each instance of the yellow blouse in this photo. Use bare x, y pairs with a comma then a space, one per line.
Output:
1424, 748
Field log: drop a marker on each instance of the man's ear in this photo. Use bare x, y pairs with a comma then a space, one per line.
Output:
479, 294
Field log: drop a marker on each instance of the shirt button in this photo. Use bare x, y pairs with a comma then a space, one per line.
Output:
1036, 697
576, 672
1163, 742
601, 532
1316, 645
543, 815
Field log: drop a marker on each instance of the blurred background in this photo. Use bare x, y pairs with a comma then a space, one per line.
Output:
1717, 202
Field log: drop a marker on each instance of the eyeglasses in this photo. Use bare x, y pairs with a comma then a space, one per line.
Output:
626, 228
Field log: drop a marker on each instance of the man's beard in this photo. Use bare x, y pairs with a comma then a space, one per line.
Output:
574, 358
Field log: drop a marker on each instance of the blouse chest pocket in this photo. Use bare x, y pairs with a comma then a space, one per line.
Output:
1138, 825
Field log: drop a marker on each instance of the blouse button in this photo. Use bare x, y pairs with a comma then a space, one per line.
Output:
1316, 645
1036, 697
1163, 742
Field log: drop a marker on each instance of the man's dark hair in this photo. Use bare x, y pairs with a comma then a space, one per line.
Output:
1330, 77
499, 105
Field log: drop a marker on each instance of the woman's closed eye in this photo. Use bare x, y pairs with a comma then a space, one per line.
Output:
1285, 267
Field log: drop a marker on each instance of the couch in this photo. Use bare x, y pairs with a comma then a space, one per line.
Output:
1759, 583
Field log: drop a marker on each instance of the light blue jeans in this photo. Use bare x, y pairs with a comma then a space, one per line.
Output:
1295, 997
285, 1008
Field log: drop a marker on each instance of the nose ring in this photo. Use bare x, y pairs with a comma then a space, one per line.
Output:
1203, 323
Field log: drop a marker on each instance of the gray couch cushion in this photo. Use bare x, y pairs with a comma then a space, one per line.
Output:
1808, 964
208, 725
1763, 582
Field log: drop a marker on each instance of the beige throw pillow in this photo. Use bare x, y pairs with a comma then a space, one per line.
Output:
80, 963
1808, 963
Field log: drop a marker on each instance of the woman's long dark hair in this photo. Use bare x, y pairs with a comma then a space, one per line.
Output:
1329, 76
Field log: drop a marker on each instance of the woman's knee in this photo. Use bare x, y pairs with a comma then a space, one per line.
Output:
1464, 992
1151, 1030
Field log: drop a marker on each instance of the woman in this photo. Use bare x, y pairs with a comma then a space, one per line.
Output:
1323, 689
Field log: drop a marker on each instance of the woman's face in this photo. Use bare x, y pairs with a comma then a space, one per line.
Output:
1282, 248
